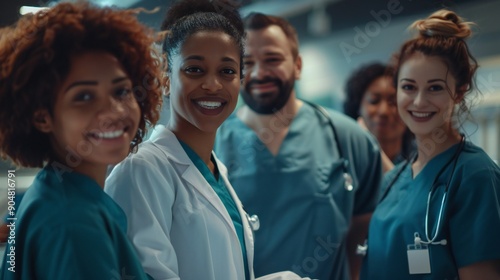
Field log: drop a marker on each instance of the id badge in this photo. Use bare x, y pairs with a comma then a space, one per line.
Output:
418, 259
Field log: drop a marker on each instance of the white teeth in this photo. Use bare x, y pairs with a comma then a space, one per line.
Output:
110, 134
421, 115
209, 104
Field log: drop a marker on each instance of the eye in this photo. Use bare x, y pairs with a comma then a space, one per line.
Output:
228, 71
408, 87
123, 92
392, 101
273, 60
248, 63
83, 96
193, 70
373, 100
436, 88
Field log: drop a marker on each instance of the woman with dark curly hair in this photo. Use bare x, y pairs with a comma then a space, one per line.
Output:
78, 85
371, 100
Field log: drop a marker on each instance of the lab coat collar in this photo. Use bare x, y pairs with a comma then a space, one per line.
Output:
165, 138
169, 143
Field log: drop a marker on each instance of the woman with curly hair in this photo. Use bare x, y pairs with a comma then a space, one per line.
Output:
78, 85
371, 100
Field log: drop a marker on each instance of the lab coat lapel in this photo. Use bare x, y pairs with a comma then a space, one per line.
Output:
164, 137
248, 232
193, 176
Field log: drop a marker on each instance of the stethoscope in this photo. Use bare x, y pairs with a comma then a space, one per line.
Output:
348, 182
254, 222
454, 160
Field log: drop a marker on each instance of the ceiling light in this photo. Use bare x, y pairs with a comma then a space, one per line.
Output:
30, 10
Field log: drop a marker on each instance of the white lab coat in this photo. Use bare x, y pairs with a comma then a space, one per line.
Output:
177, 223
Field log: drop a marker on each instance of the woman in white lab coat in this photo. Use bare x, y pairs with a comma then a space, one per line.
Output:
184, 218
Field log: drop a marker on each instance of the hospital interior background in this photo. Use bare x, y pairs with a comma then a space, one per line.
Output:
337, 36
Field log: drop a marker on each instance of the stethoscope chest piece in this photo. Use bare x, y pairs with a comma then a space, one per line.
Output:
348, 182
254, 222
347, 177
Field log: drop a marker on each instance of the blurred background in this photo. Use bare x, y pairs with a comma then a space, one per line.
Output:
336, 37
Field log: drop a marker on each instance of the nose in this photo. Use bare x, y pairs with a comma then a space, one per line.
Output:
384, 108
211, 84
257, 72
420, 99
113, 109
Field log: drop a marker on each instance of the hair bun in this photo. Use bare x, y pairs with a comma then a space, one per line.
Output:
443, 23
183, 8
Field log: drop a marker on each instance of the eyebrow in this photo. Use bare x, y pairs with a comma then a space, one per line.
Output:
270, 53
194, 57
429, 81
436, 80
201, 58
93, 83
408, 80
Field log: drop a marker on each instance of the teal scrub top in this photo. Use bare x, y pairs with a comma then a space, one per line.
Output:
471, 217
221, 190
68, 228
299, 194
17, 200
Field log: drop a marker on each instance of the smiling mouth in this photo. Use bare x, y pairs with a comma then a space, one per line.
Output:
210, 105
422, 114
263, 89
108, 134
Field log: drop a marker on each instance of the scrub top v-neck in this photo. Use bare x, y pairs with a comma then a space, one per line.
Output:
217, 183
299, 194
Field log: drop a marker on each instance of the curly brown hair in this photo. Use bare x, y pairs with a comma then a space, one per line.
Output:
35, 55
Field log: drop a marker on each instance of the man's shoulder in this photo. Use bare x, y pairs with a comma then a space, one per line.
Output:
231, 122
348, 129
230, 127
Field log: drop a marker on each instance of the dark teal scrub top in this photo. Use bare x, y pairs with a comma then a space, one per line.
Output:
299, 194
470, 223
68, 228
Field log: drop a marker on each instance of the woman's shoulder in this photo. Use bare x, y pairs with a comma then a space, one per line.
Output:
474, 157
156, 163
149, 156
50, 206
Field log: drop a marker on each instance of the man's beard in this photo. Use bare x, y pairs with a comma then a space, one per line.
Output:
266, 104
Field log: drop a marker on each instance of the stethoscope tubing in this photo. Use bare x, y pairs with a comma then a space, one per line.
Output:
348, 181
453, 160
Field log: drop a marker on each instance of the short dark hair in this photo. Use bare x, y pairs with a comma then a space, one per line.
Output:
35, 55
257, 21
187, 17
359, 81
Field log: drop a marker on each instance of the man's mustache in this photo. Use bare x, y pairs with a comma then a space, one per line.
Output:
276, 81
